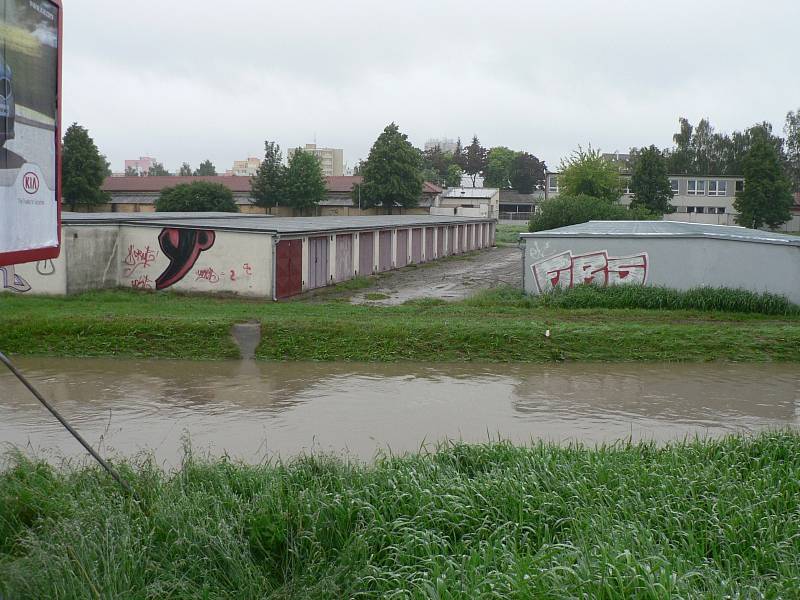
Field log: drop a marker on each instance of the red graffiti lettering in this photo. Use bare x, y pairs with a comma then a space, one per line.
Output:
207, 274
247, 269
138, 257
142, 283
565, 270
233, 275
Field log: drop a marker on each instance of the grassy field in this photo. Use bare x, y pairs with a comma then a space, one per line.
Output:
501, 325
703, 519
508, 235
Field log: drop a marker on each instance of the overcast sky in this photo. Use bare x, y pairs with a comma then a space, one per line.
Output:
187, 80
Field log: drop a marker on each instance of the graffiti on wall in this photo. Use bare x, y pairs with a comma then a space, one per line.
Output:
182, 247
138, 257
565, 270
13, 281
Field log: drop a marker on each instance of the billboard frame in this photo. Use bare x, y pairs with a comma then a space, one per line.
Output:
24, 256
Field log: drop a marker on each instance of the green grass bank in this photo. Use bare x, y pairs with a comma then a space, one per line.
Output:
702, 519
498, 325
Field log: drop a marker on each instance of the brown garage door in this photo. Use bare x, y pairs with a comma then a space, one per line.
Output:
402, 248
416, 245
479, 235
451, 240
317, 262
366, 253
429, 233
440, 242
288, 268
384, 251
344, 257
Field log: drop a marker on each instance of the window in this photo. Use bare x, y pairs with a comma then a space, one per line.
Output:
739, 186
716, 210
552, 184
717, 188
696, 187
674, 184
626, 185
696, 209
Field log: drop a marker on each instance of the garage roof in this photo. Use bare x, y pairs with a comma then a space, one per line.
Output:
666, 229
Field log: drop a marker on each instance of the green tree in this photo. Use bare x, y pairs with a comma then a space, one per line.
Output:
792, 131
499, 163
767, 196
157, 170
186, 170
570, 210
650, 183
475, 157
437, 167
206, 168
83, 169
198, 196
131, 172
587, 173
392, 173
453, 176
527, 172
268, 183
679, 160
304, 184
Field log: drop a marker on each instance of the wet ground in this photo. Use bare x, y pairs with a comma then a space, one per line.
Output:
257, 410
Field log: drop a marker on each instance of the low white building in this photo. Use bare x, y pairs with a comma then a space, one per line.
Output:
466, 201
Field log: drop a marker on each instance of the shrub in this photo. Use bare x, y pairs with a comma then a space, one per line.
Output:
198, 196
571, 210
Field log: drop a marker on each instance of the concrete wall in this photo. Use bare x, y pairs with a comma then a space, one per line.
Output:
91, 255
676, 263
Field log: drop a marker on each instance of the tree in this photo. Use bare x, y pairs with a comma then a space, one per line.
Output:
438, 167
304, 184
527, 172
392, 173
475, 157
186, 170
206, 168
458, 155
650, 183
792, 131
198, 196
570, 210
131, 171
357, 170
157, 170
268, 183
83, 169
767, 197
679, 160
587, 173
453, 176
499, 163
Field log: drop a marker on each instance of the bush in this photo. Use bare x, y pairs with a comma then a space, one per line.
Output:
198, 196
571, 210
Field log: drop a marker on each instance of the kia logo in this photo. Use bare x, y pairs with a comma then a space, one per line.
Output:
30, 182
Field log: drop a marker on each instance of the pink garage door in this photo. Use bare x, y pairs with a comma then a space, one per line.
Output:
318, 262
440, 242
402, 248
479, 236
429, 233
366, 252
463, 246
344, 257
451, 240
416, 246
384, 250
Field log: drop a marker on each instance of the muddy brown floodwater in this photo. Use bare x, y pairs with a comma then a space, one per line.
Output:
255, 410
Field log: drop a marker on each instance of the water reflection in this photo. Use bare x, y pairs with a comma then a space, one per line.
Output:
254, 410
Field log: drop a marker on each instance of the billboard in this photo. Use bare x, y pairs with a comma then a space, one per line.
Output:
30, 84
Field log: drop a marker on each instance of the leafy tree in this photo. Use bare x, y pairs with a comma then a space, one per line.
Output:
268, 183
157, 170
453, 176
392, 173
499, 163
304, 184
679, 160
587, 173
359, 168
206, 168
767, 197
186, 170
570, 210
475, 157
198, 196
83, 169
458, 155
792, 131
131, 172
439, 167
527, 172
650, 183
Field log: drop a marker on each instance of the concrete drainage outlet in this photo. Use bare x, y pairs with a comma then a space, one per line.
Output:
247, 337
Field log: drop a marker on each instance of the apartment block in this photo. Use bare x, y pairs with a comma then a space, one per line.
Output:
331, 159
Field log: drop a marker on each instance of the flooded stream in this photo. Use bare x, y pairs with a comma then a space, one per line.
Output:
257, 410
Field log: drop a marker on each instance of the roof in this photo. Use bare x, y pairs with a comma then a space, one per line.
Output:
263, 223
666, 229
460, 192
236, 183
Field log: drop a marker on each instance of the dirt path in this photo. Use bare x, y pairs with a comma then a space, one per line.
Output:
451, 278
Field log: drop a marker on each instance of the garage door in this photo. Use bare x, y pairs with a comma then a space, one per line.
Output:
288, 268
451, 240
429, 233
366, 252
440, 242
385, 251
402, 248
318, 262
416, 245
344, 257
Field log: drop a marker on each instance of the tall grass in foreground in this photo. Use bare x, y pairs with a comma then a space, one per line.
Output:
642, 297
708, 519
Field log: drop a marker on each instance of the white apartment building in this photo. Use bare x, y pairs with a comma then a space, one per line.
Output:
245, 168
331, 159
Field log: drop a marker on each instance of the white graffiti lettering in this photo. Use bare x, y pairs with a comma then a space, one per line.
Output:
565, 270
